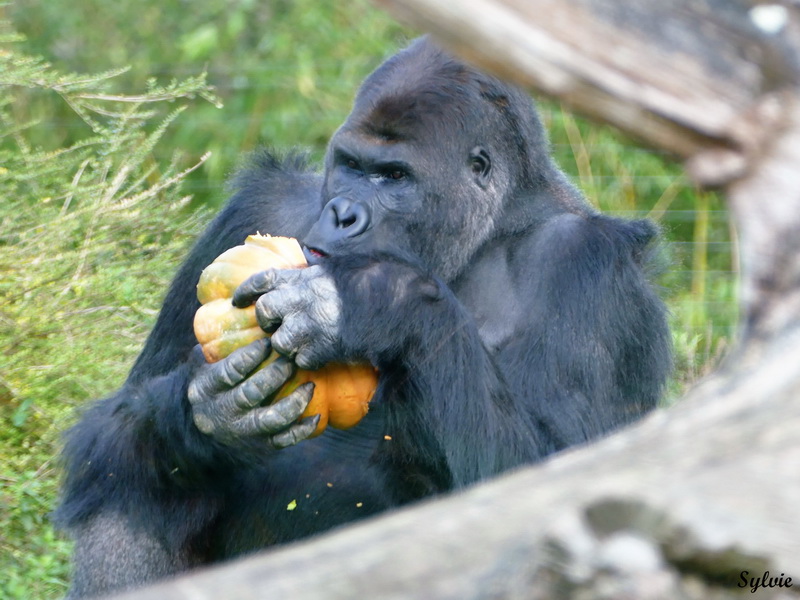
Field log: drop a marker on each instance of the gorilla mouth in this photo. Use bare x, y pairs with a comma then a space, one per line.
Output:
314, 255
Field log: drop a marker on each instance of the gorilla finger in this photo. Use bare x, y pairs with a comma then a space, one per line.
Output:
270, 379
247, 395
267, 315
276, 417
252, 287
196, 357
261, 283
273, 307
290, 336
297, 433
224, 375
309, 358
233, 369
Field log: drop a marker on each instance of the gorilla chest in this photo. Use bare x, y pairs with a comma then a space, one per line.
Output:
491, 295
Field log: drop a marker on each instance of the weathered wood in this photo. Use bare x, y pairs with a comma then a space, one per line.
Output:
676, 507
766, 209
680, 505
682, 76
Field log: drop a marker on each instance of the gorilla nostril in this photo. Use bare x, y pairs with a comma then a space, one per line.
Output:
348, 221
342, 220
348, 218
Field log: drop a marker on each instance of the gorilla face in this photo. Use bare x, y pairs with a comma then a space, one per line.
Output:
394, 199
412, 172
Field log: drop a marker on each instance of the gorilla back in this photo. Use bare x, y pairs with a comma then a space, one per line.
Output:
508, 320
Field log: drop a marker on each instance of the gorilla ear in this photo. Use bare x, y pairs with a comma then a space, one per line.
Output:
481, 165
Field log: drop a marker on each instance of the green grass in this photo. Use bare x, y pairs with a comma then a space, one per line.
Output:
96, 213
286, 70
90, 234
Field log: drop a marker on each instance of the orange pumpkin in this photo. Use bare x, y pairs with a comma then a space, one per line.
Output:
341, 392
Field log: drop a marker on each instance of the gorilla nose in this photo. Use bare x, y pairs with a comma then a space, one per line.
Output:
346, 218
342, 220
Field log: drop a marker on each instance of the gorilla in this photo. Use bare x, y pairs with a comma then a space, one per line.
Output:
507, 319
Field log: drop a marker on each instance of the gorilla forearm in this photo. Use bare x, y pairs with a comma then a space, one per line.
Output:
444, 381
113, 555
143, 440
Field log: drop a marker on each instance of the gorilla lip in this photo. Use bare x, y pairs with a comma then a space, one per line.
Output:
314, 255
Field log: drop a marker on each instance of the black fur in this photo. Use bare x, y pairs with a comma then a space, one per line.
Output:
508, 321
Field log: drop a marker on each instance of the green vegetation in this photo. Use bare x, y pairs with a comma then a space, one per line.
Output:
286, 70
100, 198
81, 226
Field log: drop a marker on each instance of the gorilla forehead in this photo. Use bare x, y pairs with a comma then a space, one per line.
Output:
425, 96
418, 90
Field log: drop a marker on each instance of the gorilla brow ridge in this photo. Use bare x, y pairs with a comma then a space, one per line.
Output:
423, 89
414, 87
396, 117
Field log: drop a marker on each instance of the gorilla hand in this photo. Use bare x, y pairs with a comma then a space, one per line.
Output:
302, 307
227, 399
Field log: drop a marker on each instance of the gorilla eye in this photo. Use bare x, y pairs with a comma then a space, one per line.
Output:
393, 172
351, 164
480, 164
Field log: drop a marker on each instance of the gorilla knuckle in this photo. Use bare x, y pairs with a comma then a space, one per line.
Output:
268, 309
307, 359
204, 423
271, 420
231, 370
251, 288
290, 336
245, 395
292, 406
269, 379
283, 344
295, 434
193, 392
262, 282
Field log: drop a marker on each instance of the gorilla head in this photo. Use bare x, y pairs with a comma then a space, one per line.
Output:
429, 161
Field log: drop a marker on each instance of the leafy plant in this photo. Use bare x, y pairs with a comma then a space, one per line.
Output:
286, 71
90, 234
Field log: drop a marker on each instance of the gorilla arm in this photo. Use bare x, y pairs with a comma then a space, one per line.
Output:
135, 458
441, 390
144, 434
596, 352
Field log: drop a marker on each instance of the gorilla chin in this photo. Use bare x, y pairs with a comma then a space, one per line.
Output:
507, 319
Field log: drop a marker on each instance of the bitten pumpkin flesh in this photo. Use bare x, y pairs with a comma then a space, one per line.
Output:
341, 392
